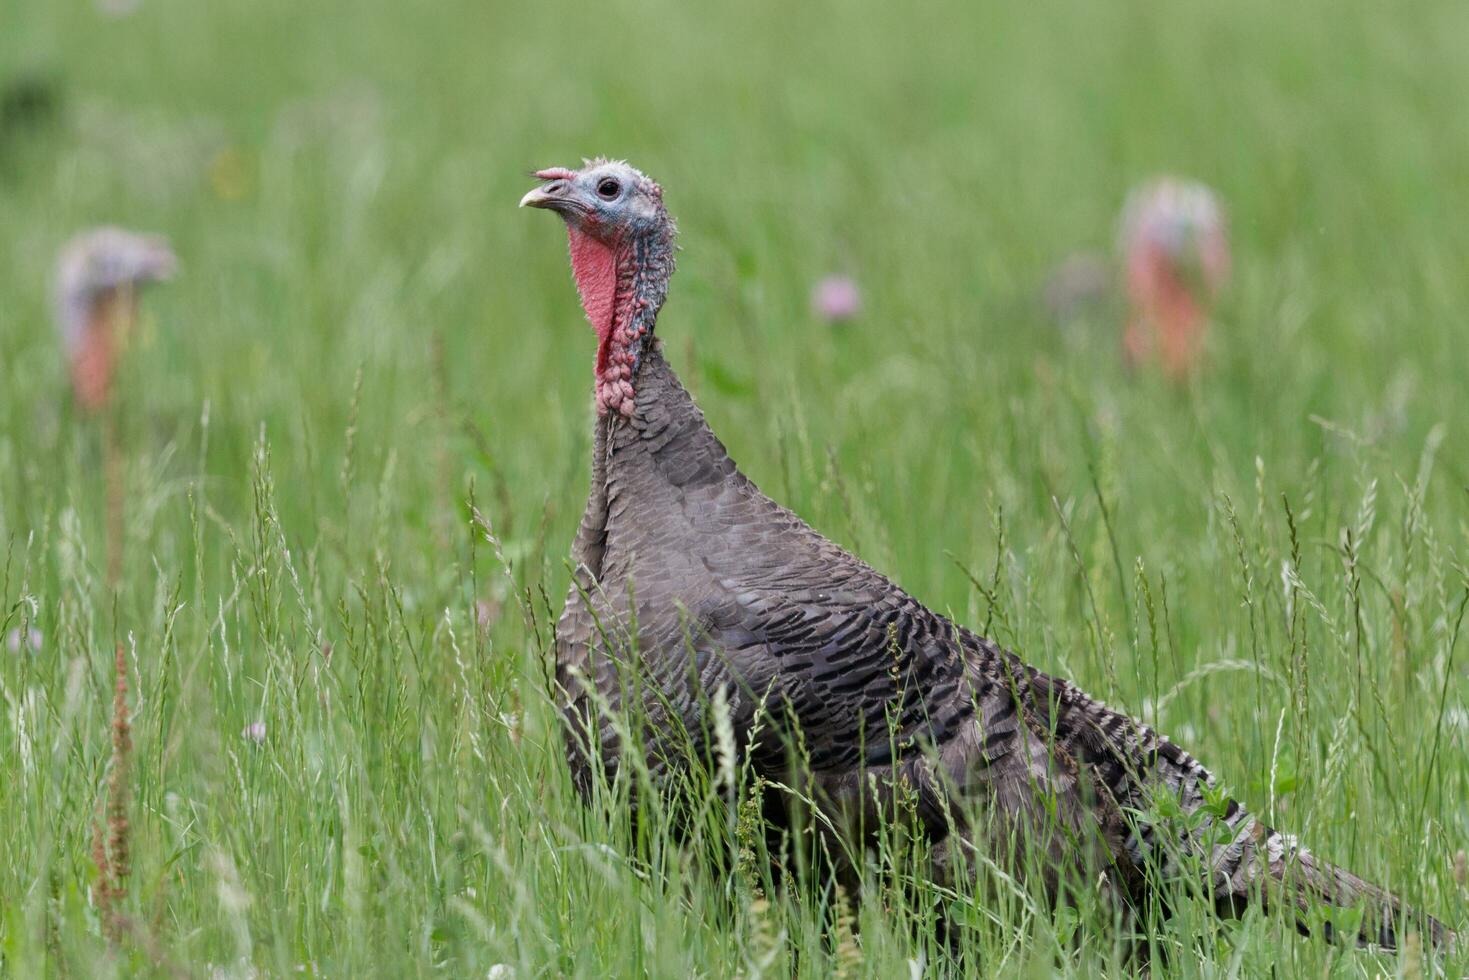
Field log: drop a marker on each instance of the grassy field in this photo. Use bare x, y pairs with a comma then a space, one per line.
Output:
366, 337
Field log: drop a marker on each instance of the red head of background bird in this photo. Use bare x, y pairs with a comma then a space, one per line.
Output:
98, 275
1176, 251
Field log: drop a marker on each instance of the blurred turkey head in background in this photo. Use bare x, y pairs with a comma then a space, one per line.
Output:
98, 276
1175, 251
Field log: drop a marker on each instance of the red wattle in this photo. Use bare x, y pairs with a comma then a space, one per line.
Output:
594, 265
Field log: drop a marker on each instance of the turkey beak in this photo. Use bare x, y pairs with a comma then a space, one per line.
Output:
551, 196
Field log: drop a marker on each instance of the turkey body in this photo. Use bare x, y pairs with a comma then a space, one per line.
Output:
689, 580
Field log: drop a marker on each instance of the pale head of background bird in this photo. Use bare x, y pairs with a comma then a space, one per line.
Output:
98, 275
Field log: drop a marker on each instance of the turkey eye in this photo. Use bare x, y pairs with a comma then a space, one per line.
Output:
608, 188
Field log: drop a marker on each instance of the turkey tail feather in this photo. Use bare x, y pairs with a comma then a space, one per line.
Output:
1248, 861
1305, 883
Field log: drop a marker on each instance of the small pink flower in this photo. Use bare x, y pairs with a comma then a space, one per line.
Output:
486, 612
32, 640
836, 298
254, 732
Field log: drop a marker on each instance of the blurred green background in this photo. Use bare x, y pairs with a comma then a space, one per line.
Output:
365, 331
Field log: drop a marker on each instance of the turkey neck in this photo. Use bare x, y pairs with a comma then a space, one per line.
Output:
662, 454
650, 439
622, 285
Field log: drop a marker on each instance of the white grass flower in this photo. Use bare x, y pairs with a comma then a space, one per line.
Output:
254, 732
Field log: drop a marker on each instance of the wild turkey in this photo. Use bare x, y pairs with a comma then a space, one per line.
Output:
98, 276
689, 582
1176, 249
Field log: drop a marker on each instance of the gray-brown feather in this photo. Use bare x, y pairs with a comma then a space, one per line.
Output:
725, 588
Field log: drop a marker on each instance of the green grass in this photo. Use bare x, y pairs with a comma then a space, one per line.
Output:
366, 335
